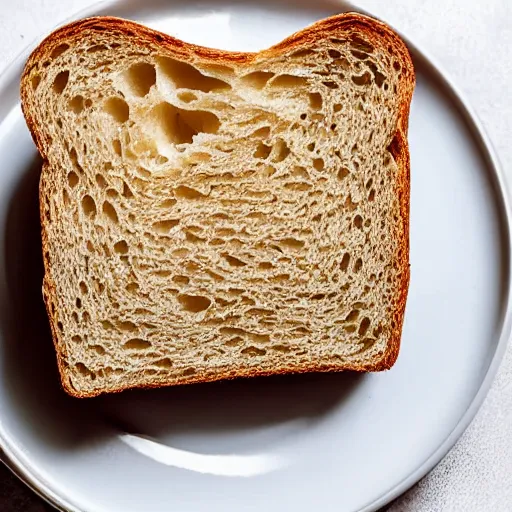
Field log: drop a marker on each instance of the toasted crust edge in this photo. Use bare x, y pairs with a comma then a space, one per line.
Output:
380, 35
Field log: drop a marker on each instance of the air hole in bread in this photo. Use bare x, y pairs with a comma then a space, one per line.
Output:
265, 265
190, 237
344, 64
127, 192
194, 303
167, 203
358, 221
83, 288
281, 151
164, 226
132, 287
179, 126
337, 107
300, 54
220, 69
73, 179
60, 81
298, 187
363, 79
334, 54
396, 66
137, 344
199, 157
116, 146
88, 206
112, 193
121, 247
183, 253
371, 195
84, 371
117, 108
76, 339
359, 55
184, 192
253, 351
76, 104
378, 76
358, 43
186, 76
234, 341
364, 326
283, 349
186, 96
233, 261
292, 244
289, 81
59, 50
230, 331
330, 85
188, 372
35, 81
258, 79
311, 146
358, 265
386, 86
165, 363
315, 100
318, 164
97, 48
345, 262
140, 78
126, 325
262, 133
350, 205
352, 316
299, 172
350, 328
280, 278
90, 247
262, 151
181, 279
110, 212
101, 181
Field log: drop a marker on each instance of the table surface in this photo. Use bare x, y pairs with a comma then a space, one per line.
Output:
472, 39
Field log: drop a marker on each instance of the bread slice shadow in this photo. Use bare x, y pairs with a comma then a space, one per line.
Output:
239, 407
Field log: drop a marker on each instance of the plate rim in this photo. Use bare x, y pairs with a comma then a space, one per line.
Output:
501, 188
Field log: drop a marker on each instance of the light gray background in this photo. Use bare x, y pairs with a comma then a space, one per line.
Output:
472, 40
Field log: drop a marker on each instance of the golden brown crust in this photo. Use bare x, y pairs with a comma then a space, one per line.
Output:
339, 26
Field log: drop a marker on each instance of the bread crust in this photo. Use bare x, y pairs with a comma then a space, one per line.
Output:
342, 25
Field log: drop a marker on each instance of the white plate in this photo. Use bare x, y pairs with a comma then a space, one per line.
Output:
318, 442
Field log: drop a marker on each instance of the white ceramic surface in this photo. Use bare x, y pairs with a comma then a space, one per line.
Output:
336, 442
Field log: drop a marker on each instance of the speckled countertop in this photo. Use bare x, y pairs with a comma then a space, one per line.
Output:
473, 40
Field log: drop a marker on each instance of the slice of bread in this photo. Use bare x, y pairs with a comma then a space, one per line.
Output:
210, 214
